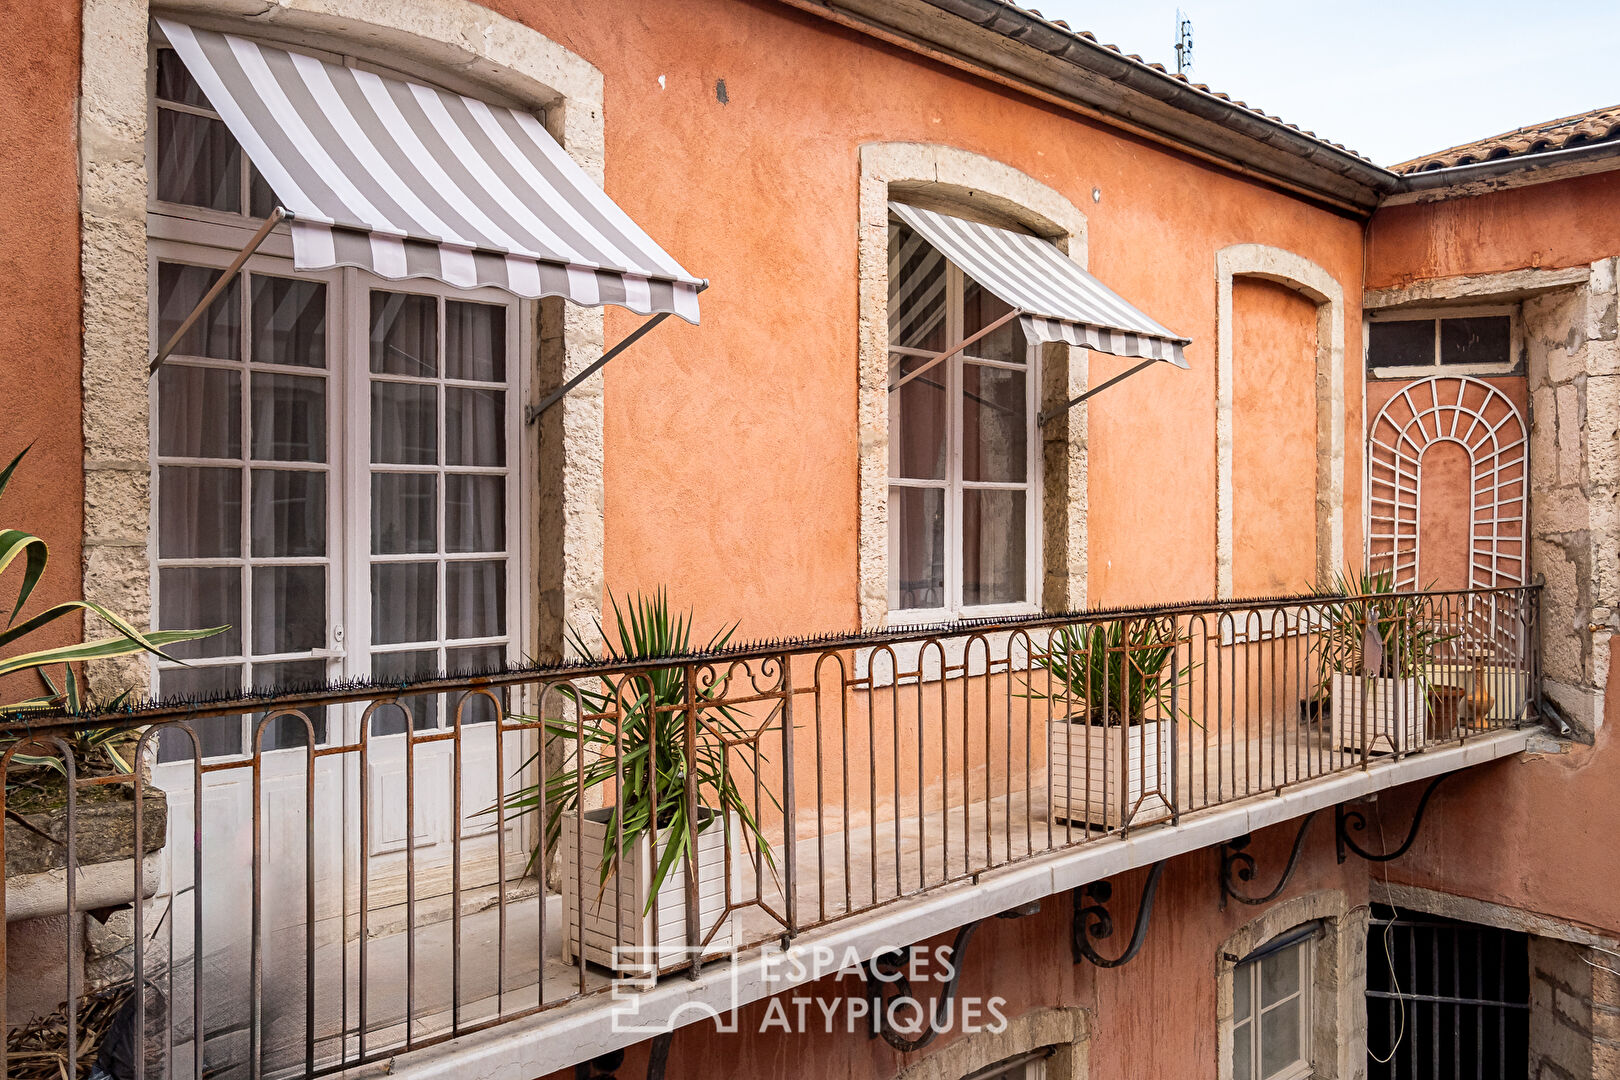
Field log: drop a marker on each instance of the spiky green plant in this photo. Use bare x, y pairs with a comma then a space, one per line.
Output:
634, 729
98, 749
1111, 672
1373, 610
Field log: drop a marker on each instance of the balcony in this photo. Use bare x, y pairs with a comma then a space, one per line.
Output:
385, 882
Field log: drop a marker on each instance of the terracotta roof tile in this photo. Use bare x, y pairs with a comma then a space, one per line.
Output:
1565, 133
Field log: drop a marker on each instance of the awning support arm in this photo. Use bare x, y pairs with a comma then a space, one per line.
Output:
533, 412
1053, 413
940, 358
277, 216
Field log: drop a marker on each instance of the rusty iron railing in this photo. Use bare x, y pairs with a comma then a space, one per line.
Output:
385, 880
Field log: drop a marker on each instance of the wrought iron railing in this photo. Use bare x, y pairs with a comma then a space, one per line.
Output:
386, 880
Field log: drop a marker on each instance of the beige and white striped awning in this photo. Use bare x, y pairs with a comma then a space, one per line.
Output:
1058, 300
406, 180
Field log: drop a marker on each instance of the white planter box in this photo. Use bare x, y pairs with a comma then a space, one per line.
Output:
648, 940
1105, 777
1396, 709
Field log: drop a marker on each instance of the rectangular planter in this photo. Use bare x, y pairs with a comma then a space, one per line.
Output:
1092, 765
649, 940
1396, 711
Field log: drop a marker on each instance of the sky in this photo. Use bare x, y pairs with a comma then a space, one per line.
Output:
1391, 81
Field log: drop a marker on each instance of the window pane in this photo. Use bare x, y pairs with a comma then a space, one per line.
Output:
404, 513
995, 425
1242, 991
474, 427
980, 309
217, 333
199, 164
474, 513
916, 291
1402, 343
476, 660
993, 547
1243, 1052
261, 200
404, 602
289, 608
917, 420
288, 418
404, 334
404, 423
474, 341
916, 547
1279, 975
196, 598
290, 731
217, 734
174, 82
289, 513
199, 412
1485, 339
475, 599
405, 667
1279, 1038
289, 321
199, 512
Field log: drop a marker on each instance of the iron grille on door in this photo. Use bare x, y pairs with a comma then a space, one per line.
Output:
1463, 991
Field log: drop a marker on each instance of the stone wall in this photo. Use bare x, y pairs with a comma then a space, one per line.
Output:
1574, 1011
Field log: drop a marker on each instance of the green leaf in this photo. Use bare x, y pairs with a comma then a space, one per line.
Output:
14, 542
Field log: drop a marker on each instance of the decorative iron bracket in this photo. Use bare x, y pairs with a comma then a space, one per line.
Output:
1092, 920
1355, 819
1237, 865
889, 968
606, 1066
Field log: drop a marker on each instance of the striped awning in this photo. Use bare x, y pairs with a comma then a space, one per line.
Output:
406, 181
1059, 301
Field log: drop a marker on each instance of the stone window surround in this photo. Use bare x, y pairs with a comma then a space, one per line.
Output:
1315, 284
455, 36
1338, 1040
949, 178
1066, 1030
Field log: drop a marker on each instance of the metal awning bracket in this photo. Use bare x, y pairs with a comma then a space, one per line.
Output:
1053, 413
277, 216
939, 358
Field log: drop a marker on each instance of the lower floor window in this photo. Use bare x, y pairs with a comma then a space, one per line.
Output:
1271, 1026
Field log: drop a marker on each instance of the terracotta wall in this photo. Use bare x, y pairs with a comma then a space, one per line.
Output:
39, 320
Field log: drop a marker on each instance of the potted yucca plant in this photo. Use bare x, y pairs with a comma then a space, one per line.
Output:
1377, 648
1108, 744
631, 889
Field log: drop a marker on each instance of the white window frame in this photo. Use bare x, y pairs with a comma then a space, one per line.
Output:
954, 485
1434, 367
1303, 1066
1031, 1066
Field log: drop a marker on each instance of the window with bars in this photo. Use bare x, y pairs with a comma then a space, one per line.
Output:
963, 455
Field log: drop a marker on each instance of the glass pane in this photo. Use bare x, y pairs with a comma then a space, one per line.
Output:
995, 425
475, 599
916, 291
289, 321
196, 598
289, 608
404, 513
1243, 1052
993, 547
980, 309
916, 547
289, 731
917, 420
289, 514
199, 412
474, 341
474, 427
217, 735
404, 423
1279, 975
1242, 991
1400, 343
1485, 339
217, 333
199, 512
199, 163
288, 418
404, 334
405, 667
474, 513
1279, 1038
174, 82
404, 602
477, 660
261, 200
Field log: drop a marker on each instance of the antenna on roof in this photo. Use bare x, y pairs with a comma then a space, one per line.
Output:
1184, 42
